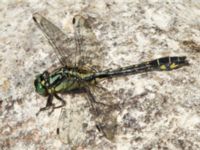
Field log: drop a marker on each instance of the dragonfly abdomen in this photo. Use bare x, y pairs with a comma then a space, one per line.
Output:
161, 64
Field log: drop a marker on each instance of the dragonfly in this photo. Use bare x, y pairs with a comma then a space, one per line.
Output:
76, 74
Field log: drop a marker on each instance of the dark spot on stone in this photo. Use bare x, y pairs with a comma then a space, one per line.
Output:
57, 131
138, 139
114, 44
192, 45
84, 125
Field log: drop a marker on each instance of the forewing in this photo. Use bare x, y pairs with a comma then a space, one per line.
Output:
88, 50
62, 44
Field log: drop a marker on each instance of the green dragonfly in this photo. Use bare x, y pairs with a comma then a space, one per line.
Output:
77, 75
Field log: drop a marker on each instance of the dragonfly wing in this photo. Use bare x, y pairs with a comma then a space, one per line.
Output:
105, 109
73, 127
62, 44
87, 47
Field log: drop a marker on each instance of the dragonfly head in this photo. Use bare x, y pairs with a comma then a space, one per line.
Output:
40, 83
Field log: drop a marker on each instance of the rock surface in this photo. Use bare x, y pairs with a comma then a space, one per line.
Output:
161, 109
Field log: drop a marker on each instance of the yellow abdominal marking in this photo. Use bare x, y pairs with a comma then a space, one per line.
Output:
172, 66
163, 67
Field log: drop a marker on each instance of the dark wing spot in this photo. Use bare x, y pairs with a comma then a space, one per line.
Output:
73, 20
57, 131
34, 19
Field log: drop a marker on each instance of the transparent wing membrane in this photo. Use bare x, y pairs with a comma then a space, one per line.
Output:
88, 52
62, 44
73, 127
105, 108
82, 50
75, 123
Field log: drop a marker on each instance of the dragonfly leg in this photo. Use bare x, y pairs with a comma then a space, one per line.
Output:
62, 101
48, 105
56, 107
52, 109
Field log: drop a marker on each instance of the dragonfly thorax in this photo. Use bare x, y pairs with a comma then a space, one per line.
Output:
61, 80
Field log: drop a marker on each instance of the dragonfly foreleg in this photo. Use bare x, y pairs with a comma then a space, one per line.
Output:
48, 105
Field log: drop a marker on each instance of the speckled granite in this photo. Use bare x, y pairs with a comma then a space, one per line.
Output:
161, 109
